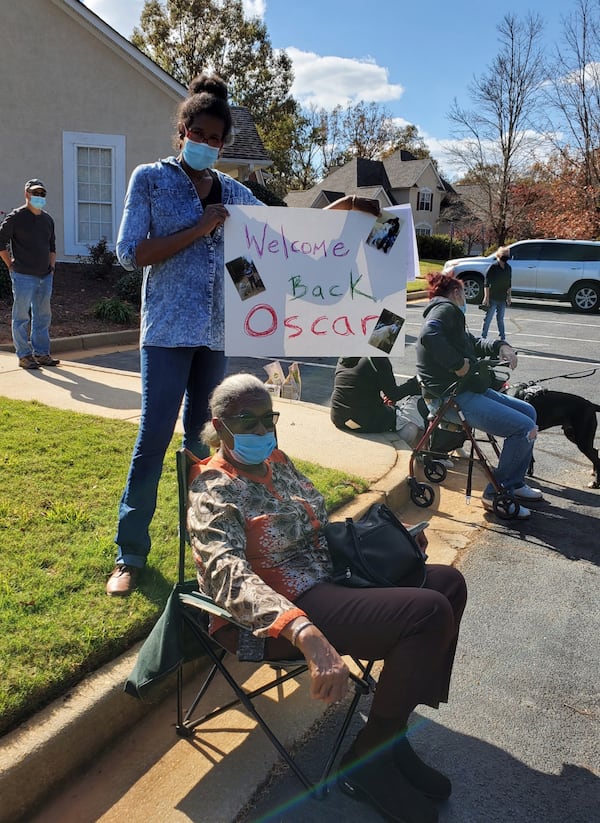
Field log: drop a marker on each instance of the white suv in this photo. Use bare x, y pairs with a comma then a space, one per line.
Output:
548, 269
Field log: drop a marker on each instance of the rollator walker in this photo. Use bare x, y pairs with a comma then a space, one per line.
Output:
443, 434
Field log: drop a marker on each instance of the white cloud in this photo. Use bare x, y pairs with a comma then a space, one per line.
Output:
330, 81
254, 8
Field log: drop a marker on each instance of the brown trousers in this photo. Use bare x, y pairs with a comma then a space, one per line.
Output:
413, 631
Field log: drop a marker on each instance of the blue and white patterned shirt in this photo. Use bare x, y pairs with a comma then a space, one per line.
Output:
183, 296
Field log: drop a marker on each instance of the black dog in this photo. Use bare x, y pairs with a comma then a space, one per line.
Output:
575, 414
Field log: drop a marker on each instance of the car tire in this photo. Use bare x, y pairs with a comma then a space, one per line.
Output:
585, 297
473, 284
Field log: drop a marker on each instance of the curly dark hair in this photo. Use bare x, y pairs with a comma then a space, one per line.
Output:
442, 285
207, 95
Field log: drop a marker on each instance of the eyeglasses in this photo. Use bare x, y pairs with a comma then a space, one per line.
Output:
248, 422
198, 136
37, 192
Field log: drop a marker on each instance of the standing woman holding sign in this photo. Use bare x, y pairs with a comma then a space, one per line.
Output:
172, 227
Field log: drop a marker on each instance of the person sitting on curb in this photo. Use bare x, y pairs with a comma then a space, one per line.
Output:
256, 528
367, 399
446, 352
364, 394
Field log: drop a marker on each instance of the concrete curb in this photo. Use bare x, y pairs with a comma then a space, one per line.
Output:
84, 342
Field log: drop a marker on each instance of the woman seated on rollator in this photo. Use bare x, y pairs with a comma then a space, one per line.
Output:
256, 526
446, 353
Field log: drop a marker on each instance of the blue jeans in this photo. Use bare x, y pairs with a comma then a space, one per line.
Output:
507, 417
168, 375
31, 302
497, 307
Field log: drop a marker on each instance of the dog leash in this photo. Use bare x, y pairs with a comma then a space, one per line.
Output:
574, 375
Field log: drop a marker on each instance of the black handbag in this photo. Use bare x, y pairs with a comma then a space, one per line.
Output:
375, 551
478, 379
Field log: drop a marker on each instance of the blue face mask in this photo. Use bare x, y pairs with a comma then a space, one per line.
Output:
252, 449
37, 202
199, 156
463, 308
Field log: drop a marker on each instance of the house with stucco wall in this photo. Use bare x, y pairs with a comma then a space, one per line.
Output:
82, 108
397, 180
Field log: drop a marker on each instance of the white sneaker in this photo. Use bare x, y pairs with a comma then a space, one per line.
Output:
460, 452
445, 462
488, 505
525, 492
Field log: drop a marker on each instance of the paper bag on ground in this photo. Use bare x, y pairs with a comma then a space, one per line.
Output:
275, 379
292, 386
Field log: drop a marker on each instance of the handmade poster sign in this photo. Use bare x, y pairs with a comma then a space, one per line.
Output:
309, 282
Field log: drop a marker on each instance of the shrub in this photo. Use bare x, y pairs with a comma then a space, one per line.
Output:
5, 284
100, 257
129, 287
439, 247
115, 310
268, 197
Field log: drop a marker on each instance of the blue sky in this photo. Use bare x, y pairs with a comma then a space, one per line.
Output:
413, 58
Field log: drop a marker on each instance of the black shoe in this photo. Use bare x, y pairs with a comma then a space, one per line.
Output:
426, 779
376, 781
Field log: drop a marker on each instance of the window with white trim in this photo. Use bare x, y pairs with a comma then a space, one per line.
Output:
425, 200
94, 188
423, 228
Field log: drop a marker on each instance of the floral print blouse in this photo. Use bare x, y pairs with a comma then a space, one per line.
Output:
257, 542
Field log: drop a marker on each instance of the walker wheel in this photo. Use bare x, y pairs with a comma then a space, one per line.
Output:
435, 471
422, 495
505, 506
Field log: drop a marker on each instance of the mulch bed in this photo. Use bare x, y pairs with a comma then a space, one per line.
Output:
75, 294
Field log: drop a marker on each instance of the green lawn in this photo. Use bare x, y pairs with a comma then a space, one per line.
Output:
427, 266
62, 475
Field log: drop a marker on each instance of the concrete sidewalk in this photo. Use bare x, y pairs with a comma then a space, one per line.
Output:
148, 773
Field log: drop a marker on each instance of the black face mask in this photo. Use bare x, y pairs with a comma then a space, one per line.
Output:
505, 259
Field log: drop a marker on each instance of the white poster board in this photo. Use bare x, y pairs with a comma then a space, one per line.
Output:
313, 282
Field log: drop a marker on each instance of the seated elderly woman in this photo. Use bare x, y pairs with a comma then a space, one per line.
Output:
447, 352
256, 530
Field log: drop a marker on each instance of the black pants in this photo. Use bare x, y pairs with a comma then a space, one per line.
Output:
414, 631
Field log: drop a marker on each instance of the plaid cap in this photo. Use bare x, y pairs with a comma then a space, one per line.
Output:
35, 184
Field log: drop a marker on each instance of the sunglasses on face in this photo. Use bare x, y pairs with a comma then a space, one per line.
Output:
248, 422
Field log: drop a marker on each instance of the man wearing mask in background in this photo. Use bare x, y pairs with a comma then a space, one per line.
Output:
28, 247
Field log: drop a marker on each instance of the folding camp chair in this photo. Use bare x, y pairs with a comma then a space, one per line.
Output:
195, 610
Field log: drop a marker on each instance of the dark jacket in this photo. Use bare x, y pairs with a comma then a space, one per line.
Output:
498, 280
31, 238
357, 388
444, 343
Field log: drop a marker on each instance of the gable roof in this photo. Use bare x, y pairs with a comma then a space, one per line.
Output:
247, 146
119, 44
404, 174
359, 175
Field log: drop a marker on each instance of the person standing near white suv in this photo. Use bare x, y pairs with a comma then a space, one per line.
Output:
496, 295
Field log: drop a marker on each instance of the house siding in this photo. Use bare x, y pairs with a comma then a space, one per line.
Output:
69, 72
76, 82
